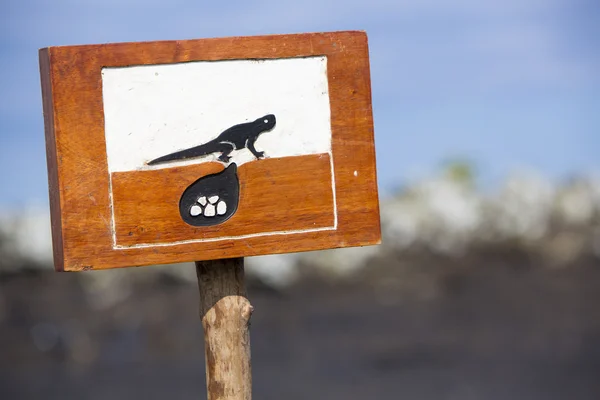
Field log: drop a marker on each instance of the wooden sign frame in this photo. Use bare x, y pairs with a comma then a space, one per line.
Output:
81, 192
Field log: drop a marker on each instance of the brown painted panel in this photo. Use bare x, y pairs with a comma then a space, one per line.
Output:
276, 195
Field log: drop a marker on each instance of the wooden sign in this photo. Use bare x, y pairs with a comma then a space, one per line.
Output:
162, 152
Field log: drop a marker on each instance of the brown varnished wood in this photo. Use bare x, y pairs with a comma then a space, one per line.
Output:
146, 203
51, 159
79, 185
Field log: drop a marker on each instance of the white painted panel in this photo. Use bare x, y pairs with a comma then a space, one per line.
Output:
154, 110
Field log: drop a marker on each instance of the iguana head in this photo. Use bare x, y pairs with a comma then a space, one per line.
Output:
265, 123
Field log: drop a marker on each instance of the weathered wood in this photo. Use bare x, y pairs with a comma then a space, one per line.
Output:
83, 217
51, 154
225, 312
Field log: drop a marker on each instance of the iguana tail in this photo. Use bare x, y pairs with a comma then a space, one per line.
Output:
192, 152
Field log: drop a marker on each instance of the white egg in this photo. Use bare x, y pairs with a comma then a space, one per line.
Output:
195, 211
221, 208
209, 211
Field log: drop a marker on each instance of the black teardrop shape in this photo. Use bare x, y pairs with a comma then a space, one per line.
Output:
224, 184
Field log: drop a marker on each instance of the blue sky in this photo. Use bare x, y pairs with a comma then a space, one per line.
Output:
506, 84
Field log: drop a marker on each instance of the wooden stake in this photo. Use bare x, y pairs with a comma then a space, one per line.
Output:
225, 312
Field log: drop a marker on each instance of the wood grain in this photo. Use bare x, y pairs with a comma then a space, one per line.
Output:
279, 194
225, 312
74, 118
51, 159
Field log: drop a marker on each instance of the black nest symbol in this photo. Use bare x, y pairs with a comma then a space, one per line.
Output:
212, 199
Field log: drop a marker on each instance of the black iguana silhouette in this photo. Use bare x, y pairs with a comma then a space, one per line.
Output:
235, 138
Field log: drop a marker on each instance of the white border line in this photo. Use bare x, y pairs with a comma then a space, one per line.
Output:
251, 235
115, 246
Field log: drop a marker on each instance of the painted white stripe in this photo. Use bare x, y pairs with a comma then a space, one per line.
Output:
219, 239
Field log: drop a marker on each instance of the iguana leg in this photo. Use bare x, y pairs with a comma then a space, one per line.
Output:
225, 149
250, 146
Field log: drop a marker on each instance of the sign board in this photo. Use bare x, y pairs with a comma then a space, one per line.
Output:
173, 151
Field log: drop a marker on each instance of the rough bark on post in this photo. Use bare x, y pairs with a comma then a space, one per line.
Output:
225, 312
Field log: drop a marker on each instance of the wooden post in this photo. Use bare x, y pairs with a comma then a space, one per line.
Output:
225, 312
121, 192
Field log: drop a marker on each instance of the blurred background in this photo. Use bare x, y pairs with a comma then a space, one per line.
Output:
486, 286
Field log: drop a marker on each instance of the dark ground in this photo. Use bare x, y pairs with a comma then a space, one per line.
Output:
483, 327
